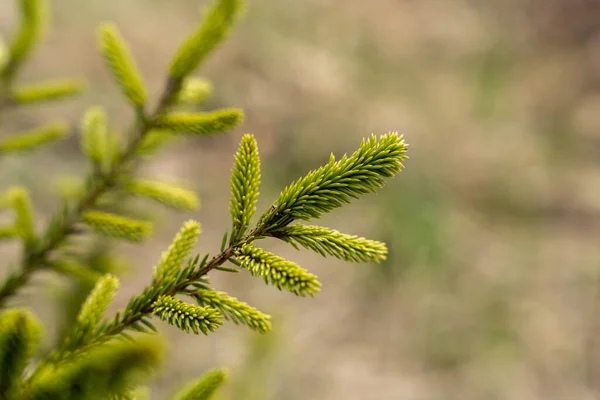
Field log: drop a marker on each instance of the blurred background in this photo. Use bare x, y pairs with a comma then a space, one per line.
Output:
492, 286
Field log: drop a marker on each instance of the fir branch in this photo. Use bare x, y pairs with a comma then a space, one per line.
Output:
277, 271
234, 309
19, 336
245, 182
335, 183
45, 91
187, 317
34, 138
327, 241
204, 387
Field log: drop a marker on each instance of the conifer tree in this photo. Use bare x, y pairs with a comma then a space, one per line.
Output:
90, 362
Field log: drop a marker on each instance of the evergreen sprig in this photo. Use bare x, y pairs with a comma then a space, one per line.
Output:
165, 193
25, 221
120, 61
194, 91
117, 226
335, 183
89, 363
19, 336
277, 271
205, 387
180, 249
327, 241
92, 311
94, 136
214, 29
31, 27
238, 311
187, 317
34, 138
245, 182
98, 373
46, 91
206, 123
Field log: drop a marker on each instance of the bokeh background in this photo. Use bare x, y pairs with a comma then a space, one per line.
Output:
492, 286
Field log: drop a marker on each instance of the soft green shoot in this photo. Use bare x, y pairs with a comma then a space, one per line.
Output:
203, 388
245, 183
277, 271
92, 310
120, 61
165, 193
206, 38
187, 317
46, 91
178, 251
327, 241
21, 203
238, 311
94, 136
194, 91
208, 123
117, 226
33, 16
335, 183
100, 372
34, 138
19, 336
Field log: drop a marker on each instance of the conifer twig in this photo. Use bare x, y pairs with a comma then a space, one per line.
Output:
99, 183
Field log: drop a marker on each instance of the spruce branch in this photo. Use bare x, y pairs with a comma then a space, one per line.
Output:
382, 160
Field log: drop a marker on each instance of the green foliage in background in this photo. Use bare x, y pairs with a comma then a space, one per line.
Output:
110, 358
